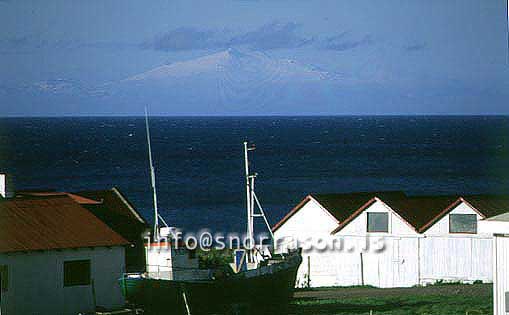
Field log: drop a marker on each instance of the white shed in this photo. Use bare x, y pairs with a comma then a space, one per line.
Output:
57, 258
499, 227
425, 238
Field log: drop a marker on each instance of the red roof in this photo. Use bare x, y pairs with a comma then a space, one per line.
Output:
79, 199
51, 222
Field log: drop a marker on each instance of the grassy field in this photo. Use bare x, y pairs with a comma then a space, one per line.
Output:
433, 300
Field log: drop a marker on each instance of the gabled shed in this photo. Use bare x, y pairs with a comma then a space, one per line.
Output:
427, 238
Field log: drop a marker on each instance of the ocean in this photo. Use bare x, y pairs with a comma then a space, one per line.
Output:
199, 160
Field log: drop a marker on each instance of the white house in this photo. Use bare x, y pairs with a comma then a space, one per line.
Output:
414, 240
56, 257
499, 227
113, 208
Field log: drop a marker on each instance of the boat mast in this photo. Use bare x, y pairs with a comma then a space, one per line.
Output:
252, 201
249, 232
153, 180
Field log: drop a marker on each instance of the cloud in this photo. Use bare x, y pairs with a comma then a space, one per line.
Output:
34, 42
275, 35
272, 36
187, 38
55, 85
62, 86
269, 36
345, 41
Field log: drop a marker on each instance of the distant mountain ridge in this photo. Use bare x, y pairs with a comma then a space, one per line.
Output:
236, 79
236, 62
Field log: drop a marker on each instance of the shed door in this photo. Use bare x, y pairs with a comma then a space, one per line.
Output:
396, 263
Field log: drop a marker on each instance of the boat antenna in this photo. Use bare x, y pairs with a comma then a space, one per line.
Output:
153, 180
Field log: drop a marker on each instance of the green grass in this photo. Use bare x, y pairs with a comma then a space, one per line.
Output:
335, 288
450, 304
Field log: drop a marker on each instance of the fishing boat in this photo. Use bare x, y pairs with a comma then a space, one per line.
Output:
258, 280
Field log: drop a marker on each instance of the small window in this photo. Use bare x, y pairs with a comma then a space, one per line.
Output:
463, 223
378, 222
76, 272
4, 278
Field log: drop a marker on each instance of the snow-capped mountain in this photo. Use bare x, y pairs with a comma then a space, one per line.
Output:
232, 79
237, 63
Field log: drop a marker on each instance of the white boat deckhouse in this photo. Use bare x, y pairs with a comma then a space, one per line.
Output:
427, 238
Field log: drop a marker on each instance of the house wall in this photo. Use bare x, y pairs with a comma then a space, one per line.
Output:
354, 264
394, 266
441, 227
310, 221
36, 282
501, 279
408, 258
455, 257
498, 226
359, 225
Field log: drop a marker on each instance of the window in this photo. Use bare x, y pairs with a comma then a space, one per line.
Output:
4, 278
463, 223
378, 222
76, 272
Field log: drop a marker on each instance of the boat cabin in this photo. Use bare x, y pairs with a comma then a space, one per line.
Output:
169, 261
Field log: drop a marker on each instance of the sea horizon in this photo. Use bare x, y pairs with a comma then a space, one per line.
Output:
198, 160
257, 115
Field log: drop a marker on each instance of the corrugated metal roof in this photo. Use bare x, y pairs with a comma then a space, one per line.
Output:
110, 206
51, 222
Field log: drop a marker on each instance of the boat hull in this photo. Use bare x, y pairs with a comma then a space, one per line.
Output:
260, 292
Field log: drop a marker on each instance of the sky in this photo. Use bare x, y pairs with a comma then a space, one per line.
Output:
253, 57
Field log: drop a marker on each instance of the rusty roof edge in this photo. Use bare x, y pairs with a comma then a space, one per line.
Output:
65, 248
440, 215
398, 214
120, 241
355, 214
324, 209
291, 213
479, 212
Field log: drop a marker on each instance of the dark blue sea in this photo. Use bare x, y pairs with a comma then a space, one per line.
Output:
199, 161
